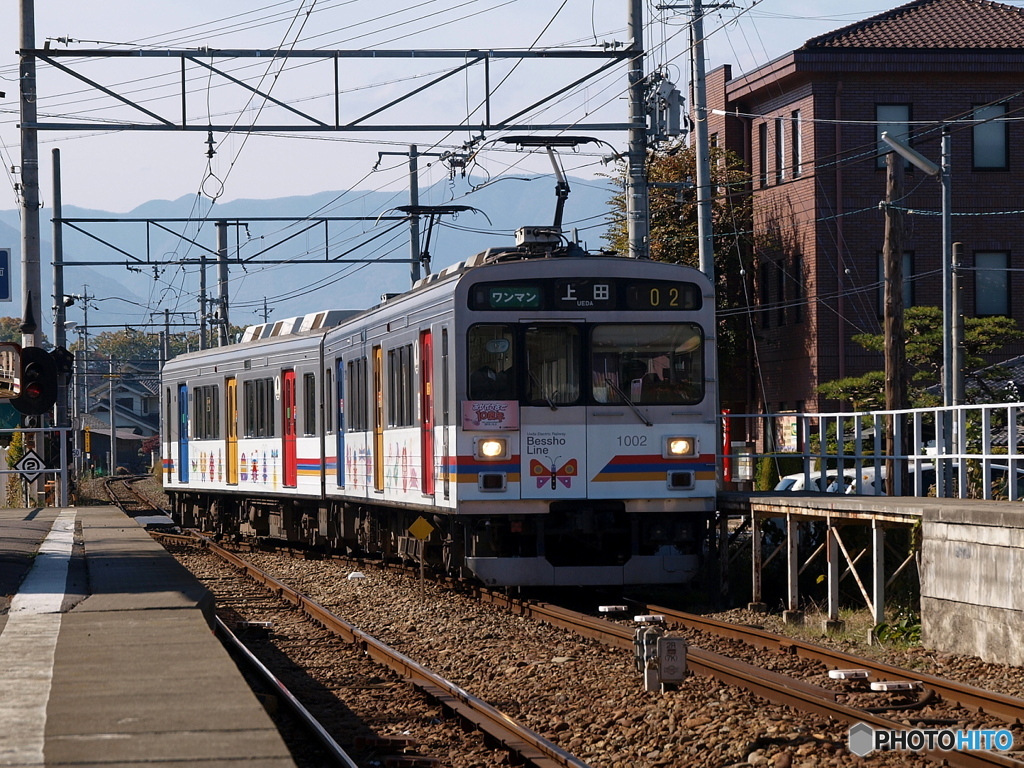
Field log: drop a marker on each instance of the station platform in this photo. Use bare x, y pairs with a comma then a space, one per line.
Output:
107, 656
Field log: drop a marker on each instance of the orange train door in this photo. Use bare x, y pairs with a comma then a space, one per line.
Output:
378, 419
427, 409
231, 414
289, 422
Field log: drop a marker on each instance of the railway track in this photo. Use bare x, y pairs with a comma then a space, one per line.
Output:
787, 690
502, 731
122, 494
780, 688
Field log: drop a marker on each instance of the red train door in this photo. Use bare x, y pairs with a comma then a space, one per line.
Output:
427, 409
289, 418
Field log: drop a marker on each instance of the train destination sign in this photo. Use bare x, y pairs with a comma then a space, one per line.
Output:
587, 293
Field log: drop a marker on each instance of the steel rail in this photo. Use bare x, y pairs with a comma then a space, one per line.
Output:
769, 685
516, 738
1006, 708
303, 715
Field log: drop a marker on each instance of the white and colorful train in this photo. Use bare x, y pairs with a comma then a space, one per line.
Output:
534, 415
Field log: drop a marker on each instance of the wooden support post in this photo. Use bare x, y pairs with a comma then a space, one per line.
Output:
756, 603
792, 615
878, 573
832, 549
723, 554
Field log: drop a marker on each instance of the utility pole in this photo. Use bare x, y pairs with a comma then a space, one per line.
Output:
113, 421
31, 281
414, 203
222, 283
895, 335
958, 328
702, 149
705, 234
637, 204
59, 307
202, 301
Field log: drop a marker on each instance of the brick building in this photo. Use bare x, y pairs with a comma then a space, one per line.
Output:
808, 126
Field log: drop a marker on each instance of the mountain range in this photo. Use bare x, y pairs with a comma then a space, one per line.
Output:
95, 253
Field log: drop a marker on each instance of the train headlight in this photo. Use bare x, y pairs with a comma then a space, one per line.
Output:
490, 448
678, 447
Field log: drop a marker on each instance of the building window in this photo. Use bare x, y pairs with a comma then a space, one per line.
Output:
780, 150
990, 138
893, 119
766, 320
908, 281
762, 150
796, 140
780, 292
798, 290
991, 283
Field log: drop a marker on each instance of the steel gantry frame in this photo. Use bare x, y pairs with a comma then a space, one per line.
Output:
199, 58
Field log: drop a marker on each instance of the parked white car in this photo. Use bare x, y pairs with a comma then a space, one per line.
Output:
798, 482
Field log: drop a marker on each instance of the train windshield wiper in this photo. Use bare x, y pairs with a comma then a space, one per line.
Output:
630, 403
540, 388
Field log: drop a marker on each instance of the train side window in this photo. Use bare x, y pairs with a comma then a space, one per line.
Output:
552, 364
400, 387
206, 413
358, 403
492, 369
647, 364
328, 394
258, 395
309, 404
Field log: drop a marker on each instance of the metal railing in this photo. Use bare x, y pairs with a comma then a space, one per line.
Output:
966, 451
34, 469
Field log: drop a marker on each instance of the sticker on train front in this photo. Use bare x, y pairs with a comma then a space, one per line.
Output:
553, 463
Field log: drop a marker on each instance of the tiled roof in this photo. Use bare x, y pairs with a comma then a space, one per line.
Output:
931, 24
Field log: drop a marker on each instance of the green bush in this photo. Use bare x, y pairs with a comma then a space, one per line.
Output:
771, 467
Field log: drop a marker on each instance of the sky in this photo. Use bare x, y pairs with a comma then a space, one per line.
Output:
118, 170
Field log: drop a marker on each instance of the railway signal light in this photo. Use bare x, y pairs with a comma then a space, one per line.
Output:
38, 382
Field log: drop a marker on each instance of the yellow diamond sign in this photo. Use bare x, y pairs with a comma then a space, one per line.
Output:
421, 529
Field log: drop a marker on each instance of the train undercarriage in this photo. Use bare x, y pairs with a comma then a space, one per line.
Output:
574, 544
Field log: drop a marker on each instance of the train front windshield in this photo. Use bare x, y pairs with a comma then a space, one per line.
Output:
643, 364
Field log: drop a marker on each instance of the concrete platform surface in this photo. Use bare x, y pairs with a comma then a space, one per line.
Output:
107, 657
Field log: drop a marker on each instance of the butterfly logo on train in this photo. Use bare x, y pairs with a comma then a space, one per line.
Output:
550, 474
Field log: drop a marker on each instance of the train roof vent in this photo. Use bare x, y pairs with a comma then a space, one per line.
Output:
252, 333
327, 318
451, 269
276, 330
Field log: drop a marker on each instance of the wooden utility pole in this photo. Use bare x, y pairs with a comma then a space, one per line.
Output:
895, 337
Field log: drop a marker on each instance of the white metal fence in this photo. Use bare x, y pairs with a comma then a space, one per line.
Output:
967, 451
34, 471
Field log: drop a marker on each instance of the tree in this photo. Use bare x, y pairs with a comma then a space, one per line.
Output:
10, 330
673, 237
982, 335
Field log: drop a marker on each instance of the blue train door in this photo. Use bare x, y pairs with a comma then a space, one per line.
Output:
183, 433
340, 379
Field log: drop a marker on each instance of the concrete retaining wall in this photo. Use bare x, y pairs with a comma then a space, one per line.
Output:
972, 593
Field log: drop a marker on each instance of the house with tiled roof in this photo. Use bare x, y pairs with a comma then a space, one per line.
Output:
135, 391
809, 125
